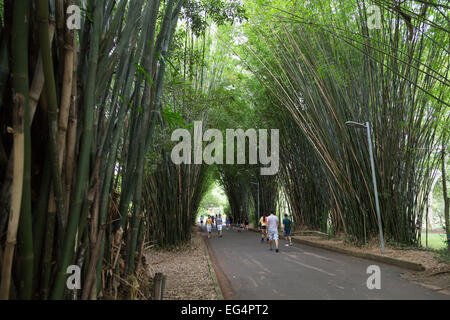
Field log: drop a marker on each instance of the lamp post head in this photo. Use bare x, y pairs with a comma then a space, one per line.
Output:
355, 124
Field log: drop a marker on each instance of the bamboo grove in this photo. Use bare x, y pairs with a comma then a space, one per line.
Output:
87, 113
322, 70
79, 120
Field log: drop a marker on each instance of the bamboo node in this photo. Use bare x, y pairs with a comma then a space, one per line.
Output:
68, 47
19, 102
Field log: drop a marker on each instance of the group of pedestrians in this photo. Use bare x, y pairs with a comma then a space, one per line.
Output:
218, 221
210, 221
242, 224
269, 230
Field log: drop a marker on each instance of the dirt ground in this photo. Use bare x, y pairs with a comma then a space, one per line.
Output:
186, 269
436, 276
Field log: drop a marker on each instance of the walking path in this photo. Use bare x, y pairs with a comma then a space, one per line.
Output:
303, 272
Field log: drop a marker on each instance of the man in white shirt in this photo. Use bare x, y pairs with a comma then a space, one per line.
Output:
219, 225
272, 222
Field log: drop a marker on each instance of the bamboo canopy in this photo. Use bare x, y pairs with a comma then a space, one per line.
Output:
91, 92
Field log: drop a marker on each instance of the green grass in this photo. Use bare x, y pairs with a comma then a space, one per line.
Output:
435, 240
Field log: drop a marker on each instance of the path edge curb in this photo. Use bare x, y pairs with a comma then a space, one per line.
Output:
212, 271
387, 260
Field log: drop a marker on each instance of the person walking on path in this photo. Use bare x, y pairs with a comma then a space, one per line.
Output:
287, 230
263, 224
212, 219
228, 223
219, 225
246, 223
209, 226
272, 226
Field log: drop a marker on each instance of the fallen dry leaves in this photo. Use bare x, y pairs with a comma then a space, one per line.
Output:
186, 269
426, 258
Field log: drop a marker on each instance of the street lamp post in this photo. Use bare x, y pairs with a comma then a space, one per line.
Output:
372, 163
258, 199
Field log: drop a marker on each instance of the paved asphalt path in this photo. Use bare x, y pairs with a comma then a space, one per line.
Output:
303, 272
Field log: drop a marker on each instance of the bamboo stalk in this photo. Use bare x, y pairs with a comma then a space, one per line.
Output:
25, 240
47, 269
444, 191
83, 164
40, 218
72, 131
37, 84
60, 32
43, 18
21, 136
4, 66
16, 196
66, 92
90, 279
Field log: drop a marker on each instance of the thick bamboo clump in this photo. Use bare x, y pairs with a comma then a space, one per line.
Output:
74, 170
323, 76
